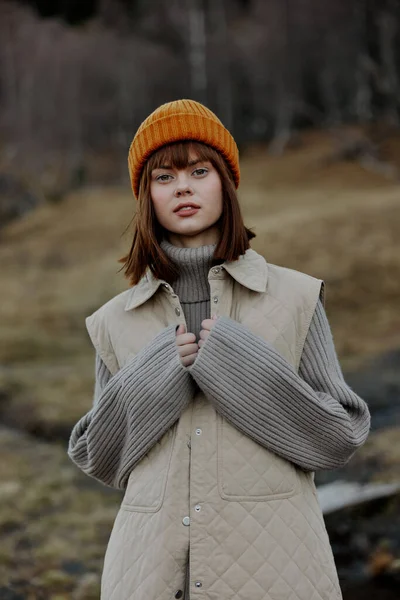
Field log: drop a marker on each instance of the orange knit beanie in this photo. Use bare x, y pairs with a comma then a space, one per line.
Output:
176, 121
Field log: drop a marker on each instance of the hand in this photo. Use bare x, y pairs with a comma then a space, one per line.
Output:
187, 346
206, 325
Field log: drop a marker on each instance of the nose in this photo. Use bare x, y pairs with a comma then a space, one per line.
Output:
183, 188
183, 191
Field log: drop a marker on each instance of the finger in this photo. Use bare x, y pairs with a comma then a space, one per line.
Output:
204, 334
180, 329
187, 349
207, 324
189, 360
201, 343
185, 338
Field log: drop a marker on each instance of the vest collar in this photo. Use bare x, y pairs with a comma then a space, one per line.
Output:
250, 270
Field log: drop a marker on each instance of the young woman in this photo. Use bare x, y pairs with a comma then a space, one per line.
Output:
218, 390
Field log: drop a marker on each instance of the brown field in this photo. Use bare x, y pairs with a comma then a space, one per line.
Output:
59, 263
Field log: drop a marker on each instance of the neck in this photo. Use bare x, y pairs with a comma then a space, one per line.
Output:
194, 265
207, 237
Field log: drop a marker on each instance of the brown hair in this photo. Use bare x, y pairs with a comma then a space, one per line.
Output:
148, 233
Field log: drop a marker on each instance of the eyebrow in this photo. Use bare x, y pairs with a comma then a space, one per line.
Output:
191, 163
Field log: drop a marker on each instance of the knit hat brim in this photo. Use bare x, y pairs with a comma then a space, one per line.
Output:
174, 128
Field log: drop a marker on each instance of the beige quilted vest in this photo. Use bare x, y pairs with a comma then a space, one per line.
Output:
251, 519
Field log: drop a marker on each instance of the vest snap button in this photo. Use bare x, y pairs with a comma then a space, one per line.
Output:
198, 584
178, 594
177, 311
186, 521
198, 431
215, 299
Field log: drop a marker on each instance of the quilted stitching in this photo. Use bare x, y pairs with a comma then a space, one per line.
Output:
144, 493
275, 549
288, 560
150, 563
247, 469
260, 534
147, 553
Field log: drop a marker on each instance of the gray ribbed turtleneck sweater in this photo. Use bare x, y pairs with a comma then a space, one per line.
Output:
311, 418
192, 284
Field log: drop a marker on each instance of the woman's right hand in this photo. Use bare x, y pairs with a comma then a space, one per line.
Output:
187, 346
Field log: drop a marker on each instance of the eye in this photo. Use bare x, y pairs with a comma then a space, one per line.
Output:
159, 177
201, 169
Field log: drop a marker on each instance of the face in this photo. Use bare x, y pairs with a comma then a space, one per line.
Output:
188, 202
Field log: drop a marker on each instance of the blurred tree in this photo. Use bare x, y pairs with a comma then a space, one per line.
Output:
73, 11
220, 52
267, 68
363, 96
197, 49
388, 28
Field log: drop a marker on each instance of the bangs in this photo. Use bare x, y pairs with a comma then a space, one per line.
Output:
177, 155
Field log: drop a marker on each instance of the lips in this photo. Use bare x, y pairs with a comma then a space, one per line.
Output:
185, 205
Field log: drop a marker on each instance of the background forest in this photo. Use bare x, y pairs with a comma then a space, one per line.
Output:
311, 92
77, 78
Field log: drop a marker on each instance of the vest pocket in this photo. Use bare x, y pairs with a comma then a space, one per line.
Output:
248, 471
147, 482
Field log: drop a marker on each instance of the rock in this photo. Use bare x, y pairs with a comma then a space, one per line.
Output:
341, 494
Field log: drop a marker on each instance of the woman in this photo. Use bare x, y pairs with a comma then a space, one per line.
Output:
218, 390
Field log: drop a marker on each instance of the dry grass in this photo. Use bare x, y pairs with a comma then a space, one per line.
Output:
338, 223
59, 264
48, 541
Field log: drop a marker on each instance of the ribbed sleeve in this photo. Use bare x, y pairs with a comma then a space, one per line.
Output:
312, 418
131, 411
102, 377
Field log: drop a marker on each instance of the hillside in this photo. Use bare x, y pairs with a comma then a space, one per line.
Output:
59, 263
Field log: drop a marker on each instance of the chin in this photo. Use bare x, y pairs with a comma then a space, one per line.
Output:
189, 229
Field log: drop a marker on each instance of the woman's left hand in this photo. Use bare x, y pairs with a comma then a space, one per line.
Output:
206, 325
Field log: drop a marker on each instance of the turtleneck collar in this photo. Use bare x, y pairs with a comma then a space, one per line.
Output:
193, 264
